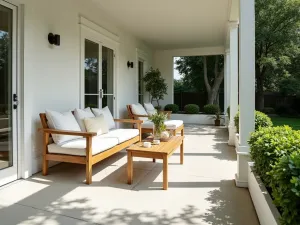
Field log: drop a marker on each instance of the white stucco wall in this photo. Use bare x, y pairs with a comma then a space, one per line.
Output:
52, 74
163, 59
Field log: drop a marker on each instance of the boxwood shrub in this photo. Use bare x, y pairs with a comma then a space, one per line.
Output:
191, 109
172, 107
268, 145
211, 109
285, 184
261, 120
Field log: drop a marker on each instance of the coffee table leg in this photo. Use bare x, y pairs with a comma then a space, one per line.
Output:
129, 168
154, 160
181, 152
165, 172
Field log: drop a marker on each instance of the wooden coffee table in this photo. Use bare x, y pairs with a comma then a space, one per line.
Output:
162, 151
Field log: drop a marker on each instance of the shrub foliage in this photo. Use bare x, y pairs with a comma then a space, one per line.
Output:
268, 145
172, 107
191, 109
211, 109
261, 120
285, 184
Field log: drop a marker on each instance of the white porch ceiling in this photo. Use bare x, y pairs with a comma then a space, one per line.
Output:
172, 24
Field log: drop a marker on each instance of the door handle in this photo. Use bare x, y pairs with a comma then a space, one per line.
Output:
16, 101
101, 93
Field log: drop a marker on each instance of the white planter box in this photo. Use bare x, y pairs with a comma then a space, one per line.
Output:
203, 119
266, 211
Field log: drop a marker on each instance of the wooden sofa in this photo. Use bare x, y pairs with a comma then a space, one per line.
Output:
88, 159
150, 130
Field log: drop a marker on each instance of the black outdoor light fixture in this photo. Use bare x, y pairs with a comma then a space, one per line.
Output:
130, 64
54, 39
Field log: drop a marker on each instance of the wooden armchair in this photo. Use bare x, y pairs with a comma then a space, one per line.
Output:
147, 129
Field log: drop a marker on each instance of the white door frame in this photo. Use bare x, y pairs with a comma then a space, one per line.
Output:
97, 34
141, 56
14, 172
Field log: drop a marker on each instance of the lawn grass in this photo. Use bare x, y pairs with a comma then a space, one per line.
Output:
292, 122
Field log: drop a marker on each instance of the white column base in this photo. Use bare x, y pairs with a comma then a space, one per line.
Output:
243, 158
232, 135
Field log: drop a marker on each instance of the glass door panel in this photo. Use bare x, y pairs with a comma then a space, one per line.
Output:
107, 95
91, 74
8, 97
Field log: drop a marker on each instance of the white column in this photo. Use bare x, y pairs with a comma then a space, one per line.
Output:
233, 80
247, 87
227, 84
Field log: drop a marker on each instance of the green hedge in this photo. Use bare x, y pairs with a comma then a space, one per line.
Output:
172, 107
191, 109
261, 120
285, 184
268, 145
211, 109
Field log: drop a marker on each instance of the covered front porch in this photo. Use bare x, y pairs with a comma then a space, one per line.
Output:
201, 191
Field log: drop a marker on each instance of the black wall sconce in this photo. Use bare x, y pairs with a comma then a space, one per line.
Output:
130, 64
54, 39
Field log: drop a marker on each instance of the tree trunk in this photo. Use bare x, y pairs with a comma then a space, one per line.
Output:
213, 91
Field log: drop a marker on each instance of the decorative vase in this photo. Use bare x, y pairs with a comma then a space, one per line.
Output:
157, 133
217, 122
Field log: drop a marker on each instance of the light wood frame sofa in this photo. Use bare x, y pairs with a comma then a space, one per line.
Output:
150, 130
89, 159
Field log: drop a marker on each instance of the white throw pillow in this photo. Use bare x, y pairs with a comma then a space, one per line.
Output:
96, 124
62, 121
138, 109
150, 109
107, 116
81, 114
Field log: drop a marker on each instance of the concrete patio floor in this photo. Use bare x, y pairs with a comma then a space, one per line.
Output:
201, 191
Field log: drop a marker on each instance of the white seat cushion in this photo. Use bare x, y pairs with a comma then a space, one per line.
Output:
138, 109
170, 124
107, 115
121, 134
81, 114
62, 121
77, 147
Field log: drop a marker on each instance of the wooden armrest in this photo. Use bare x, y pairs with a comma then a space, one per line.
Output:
69, 132
140, 115
128, 121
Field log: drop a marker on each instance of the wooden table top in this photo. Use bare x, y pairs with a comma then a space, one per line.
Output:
163, 147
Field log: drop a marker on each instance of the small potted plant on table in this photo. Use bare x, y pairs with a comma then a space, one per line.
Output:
158, 120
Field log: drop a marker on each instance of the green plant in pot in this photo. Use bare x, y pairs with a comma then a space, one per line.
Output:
217, 117
158, 120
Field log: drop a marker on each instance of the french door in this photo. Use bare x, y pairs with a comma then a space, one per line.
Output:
98, 70
8, 93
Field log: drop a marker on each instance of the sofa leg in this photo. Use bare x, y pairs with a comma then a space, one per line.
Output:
88, 173
45, 167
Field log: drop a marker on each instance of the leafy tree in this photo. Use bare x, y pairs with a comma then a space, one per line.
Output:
203, 73
155, 85
277, 35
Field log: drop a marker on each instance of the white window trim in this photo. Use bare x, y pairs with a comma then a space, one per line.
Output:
143, 57
107, 39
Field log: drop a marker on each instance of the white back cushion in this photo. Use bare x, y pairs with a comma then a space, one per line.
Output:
81, 114
62, 121
150, 108
138, 109
96, 124
107, 116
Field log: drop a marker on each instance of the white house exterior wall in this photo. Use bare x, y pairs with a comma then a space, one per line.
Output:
51, 76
